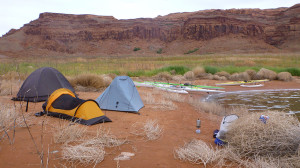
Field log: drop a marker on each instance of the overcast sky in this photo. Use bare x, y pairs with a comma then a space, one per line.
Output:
16, 13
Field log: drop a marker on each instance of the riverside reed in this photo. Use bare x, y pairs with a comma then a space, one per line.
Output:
152, 65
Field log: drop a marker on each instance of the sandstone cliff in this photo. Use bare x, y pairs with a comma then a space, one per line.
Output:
234, 30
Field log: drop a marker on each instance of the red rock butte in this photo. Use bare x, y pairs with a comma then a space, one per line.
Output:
210, 31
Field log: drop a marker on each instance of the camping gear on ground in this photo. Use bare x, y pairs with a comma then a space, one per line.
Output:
241, 82
220, 142
121, 95
264, 118
63, 103
179, 88
215, 133
41, 83
226, 121
198, 125
253, 85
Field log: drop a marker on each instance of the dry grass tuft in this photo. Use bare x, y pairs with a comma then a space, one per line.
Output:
107, 79
104, 138
165, 76
197, 152
223, 73
173, 96
89, 81
85, 155
150, 130
12, 75
9, 87
189, 75
69, 132
250, 137
243, 76
178, 78
158, 103
199, 71
266, 74
216, 77
284, 76
252, 74
7, 116
209, 107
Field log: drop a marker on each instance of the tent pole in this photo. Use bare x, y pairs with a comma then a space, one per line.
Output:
27, 105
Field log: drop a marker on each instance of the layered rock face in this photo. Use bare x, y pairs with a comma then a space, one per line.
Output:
90, 34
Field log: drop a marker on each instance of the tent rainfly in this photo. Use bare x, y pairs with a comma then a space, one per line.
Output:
41, 83
121, 95
63, 103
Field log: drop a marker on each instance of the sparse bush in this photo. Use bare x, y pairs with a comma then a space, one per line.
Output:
9, 87
12, 75
7, 116
223, 73
163, 76
284, 76
198, 71
210, 69
180, 70
173, 96
85, 155
89, 81
197, 152
266, 74
293, 71
279, 137
243, 76
178, 78
150, 130
104, 138
216, 77
70, 132
251, 73
189, 75
209, 107
136, 49
159, 51
192, 51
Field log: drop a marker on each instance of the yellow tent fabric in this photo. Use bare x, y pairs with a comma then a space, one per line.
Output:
63, 103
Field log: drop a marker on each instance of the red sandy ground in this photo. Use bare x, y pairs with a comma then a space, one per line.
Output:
179, 127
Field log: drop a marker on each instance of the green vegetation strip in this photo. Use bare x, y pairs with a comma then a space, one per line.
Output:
152, 65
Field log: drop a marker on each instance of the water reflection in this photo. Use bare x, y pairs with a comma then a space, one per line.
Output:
281, 100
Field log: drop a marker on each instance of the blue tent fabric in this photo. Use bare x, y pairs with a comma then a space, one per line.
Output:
121, 95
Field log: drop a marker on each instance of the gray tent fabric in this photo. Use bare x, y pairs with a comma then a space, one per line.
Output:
41, 83
121, 95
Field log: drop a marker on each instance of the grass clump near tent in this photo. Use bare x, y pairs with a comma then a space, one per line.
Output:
91, 81
68, 132
149, 130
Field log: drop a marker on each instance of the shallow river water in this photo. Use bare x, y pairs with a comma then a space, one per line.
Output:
281, 100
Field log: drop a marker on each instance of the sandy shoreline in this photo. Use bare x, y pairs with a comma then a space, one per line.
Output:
179, 127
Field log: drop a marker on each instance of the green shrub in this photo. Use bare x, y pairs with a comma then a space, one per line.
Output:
136, 73
191, 51
293, 71
159, 51
136, 49
210, 69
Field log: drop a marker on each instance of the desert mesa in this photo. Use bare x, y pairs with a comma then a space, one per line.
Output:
208, 31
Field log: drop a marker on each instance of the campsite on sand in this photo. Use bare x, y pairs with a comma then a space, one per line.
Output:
170, 113
82, 90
